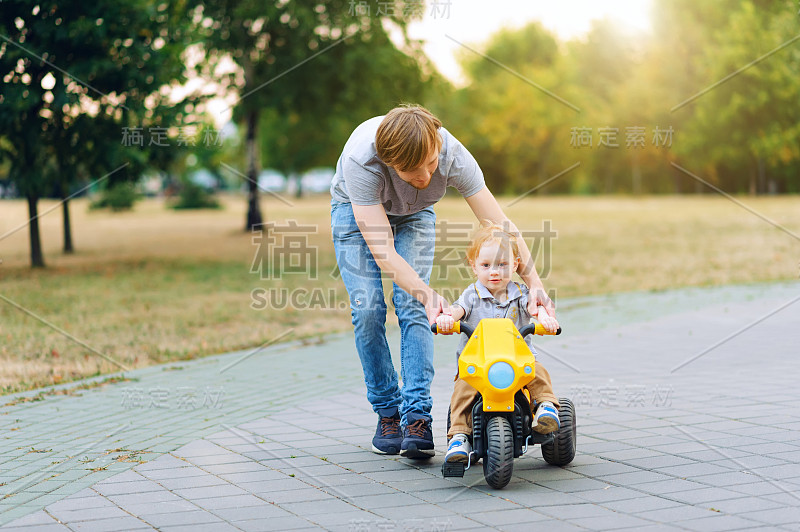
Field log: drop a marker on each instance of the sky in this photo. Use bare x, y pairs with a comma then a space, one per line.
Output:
472, 22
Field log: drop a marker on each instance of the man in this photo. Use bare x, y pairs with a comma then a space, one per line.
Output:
392, 170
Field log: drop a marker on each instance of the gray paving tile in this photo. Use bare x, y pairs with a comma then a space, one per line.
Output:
609, 493
486, 504
443, 494
657, 462
160, 507
718, 523
371, 502
730, 478
611, 522
262, 511
309, 508
670, 515
123, 488
292, 496
195, 481
203, 527
222, 490
37, 518
95, 500
400, 475
54, 527
607, 468
704, 495
744, 505
637, 477
777, 516
109, 525
356, 490
669, 486
271, 486
575, 511
509, 517
174, 472
573, 485
270, 525
194, 517
429, 512
232, 501
641, 504
214, 459
693, 471
87, 514
352, 519
143, 498
538, 500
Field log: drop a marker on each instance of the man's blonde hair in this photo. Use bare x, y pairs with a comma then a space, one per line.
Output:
407, 136
491, 232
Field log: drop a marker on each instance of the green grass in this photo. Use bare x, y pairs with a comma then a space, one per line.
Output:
155, 285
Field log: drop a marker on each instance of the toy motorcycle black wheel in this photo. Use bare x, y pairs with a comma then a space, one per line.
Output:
499, 462
562, 450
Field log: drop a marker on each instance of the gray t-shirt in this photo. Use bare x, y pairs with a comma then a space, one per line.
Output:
363, 179
478, 303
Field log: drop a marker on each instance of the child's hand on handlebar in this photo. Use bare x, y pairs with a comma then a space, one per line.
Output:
445, 323
549, 322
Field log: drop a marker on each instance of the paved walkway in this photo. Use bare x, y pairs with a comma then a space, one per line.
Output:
682, 425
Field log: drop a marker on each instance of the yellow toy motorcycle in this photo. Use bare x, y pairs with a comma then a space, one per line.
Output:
498, 363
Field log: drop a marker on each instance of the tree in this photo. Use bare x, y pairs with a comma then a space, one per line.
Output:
353, 70
739, 117
518, 132
64, 61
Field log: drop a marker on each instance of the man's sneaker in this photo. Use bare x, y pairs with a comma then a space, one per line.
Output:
546, 419
388, 437
459, 448
417, 440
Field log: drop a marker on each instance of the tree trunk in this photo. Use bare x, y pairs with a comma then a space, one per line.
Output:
299, 182
254, 219
636, 174
68, 248
37, 258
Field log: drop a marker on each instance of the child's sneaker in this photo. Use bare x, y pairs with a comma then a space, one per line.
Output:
546, 419
388, 437
459, 448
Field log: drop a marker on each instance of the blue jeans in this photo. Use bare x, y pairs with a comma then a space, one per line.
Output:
414, 240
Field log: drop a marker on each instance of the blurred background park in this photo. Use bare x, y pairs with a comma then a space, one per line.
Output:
155, 155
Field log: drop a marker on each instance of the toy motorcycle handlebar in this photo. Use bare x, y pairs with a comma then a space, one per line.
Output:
531, 328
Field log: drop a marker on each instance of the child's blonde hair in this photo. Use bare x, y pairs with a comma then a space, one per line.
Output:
490, 231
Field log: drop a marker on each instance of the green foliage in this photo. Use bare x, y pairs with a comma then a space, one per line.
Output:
117, 197
193, 196
736, 127
113, 58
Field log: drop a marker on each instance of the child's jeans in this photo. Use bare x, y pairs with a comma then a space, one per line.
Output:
540, 388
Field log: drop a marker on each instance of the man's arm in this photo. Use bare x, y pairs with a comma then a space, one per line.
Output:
377, 232
485, 207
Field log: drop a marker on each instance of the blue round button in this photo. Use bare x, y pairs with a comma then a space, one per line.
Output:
501, 375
